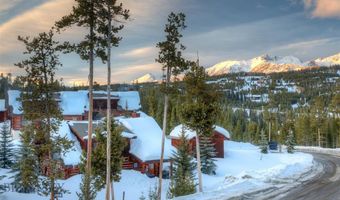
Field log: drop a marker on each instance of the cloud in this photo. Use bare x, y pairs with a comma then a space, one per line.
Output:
31, 22
5, 5
323, 8
305, 48
140, 52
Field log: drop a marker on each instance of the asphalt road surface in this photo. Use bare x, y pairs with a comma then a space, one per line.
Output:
323, 186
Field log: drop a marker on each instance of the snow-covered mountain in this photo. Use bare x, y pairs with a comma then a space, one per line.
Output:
147, 78
264, 64
328, 61
270, 64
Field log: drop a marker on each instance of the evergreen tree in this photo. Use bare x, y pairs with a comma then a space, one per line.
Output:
84, 15
200, 109
87, 192
208, 153
39, 105
290, 142
26, 167
170, 57
182, 180
99, 156
153, 194
263, 142
6, 146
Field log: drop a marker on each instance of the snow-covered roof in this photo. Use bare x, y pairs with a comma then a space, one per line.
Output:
74, 102
77, 102
177, 131
147, 145
2, 105
13, 96
223, 131
129, 100
72, 157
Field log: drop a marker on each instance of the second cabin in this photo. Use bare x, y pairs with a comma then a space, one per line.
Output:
218, 137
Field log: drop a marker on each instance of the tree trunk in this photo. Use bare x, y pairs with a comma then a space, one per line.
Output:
199, 172
319, 137
90, 113
166, 102
48, 135
112, 191
270, 131
108, 117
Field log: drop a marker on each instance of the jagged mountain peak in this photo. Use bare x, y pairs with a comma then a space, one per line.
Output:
147, 78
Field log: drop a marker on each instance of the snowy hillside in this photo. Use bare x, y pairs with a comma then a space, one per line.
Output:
242, 170
147, 78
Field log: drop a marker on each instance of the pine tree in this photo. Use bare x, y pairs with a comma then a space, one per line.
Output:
290, 142
6, 146
84, 15
110, 10
26, 167
200, 108
87, 192
170, 56
40, 108
208, 152
263, 142
99, 156
153, 194
182, 180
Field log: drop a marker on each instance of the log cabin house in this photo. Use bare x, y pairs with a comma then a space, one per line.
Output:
142, 135
218, 137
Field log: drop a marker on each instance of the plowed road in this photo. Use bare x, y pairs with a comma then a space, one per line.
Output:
323, 186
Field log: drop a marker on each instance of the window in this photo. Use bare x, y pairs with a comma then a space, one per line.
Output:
151, 166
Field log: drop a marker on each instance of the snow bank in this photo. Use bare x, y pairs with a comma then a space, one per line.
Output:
245, 169
330, 151
133, 183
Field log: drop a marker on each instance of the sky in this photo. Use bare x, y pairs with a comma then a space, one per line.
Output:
217, 29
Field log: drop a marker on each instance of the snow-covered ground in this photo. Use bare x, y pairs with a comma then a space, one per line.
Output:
245, 169
315, 149
242, 170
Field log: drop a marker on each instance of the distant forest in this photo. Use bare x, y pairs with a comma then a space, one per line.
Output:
315, 121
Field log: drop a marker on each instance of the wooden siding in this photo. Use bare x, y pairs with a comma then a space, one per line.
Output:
217, 139
73, 117
3, 116
16, 122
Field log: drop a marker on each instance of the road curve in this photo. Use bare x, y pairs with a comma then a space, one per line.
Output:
325, 186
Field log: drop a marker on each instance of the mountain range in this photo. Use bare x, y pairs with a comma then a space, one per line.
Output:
262, 64
270, 64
